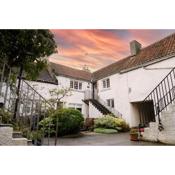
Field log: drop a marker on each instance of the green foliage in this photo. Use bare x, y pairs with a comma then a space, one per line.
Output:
134, 131
36, 135
5, 117
47, 126
57, 94
27, 48
69, 121
105, 131
111, 122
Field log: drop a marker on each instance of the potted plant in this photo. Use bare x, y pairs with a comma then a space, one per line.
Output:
36, 137
134, 133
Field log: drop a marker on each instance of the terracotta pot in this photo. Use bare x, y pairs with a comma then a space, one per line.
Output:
134, 137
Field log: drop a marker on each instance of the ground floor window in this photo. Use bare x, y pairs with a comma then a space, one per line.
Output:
75, 106
110, 102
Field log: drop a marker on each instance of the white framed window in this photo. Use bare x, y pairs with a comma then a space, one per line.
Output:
74, 84
106, 83
110, 102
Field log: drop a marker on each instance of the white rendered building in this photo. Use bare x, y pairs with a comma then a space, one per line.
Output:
119, 88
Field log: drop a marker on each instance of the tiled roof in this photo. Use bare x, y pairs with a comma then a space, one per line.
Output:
70, 72
154, 52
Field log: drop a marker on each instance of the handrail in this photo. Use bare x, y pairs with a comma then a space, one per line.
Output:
112, 110
163, 93
37, 92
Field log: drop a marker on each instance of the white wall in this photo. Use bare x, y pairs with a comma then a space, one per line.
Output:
94, 112
134, 86
74, 100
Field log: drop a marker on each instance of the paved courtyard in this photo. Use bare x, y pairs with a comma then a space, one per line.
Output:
93, 139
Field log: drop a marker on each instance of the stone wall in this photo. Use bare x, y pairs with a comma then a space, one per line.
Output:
6, 138
167, 135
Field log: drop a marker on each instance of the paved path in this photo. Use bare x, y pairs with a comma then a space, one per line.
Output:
92, 139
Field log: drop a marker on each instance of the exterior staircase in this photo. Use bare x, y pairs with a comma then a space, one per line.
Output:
31, 108
162, 98
99, 106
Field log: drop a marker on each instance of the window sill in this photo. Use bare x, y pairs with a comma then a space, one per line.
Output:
76, 90
105, 89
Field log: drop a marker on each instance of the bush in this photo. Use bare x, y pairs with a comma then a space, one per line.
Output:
111, 122
105, 131
5, 117
69, 121
47, 126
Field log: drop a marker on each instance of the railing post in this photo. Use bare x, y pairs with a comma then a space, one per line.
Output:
17, 92
7, 87
2, 78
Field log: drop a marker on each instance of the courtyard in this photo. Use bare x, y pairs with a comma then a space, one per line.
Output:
94, 139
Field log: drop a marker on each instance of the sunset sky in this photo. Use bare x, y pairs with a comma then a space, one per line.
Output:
98, 48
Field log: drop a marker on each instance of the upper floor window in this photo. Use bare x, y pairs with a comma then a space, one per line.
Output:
106, 83
77, 85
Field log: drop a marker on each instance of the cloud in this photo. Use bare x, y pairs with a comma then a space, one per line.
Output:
98, 48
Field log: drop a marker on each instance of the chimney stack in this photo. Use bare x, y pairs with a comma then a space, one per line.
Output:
135, 47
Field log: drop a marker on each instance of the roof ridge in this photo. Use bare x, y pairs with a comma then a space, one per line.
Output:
129, 56
159, 40
70, 67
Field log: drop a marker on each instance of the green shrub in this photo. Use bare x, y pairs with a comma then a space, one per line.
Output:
5, 117
111, 122
105, 131
47, 126
69, 121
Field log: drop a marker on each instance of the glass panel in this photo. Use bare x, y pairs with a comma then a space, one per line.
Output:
75, 84
112, 103
71, 84
80, 85
108, 83
104, 84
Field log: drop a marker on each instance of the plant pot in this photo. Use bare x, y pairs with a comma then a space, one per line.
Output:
134, 137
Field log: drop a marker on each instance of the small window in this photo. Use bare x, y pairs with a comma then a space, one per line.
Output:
75, 85
110, 103
106, 83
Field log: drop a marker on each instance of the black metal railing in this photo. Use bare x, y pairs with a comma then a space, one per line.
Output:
32, 106
162, 95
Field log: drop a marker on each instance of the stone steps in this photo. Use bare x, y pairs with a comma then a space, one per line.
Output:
167, 135
16, 134
8, 137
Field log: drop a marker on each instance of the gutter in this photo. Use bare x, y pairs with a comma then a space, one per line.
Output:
147, 64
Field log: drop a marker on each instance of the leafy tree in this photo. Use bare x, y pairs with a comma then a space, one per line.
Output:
26, 49
57, 94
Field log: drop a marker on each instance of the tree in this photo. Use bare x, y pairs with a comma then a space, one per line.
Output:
58, 94
26, 49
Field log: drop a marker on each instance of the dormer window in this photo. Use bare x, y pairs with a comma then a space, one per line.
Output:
74, 84
106, 83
